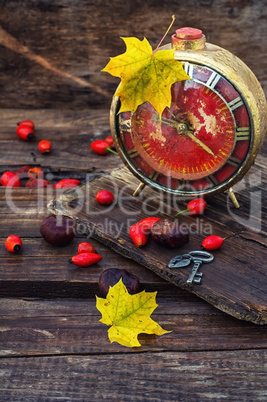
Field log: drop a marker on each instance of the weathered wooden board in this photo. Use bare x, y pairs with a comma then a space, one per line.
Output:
159, 376
39, 327
236, 282
57, 58
58, 350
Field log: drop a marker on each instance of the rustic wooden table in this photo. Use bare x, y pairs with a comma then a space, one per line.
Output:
52, 345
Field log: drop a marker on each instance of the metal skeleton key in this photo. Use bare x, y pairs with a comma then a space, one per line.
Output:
197, 257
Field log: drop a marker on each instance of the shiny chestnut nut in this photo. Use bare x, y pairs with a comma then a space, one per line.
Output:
112, 276
58, 230
170, 234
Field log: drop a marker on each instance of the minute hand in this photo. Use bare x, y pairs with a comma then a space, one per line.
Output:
191, 135
200, 143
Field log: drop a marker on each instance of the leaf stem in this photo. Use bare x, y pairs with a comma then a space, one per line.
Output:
171, 24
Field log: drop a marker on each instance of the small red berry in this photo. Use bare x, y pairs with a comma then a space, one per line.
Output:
137, 235
104, 197
212, 242
36, 182
28, 123
13, 243
22, 172
102, 147
85, 247
35, 172
109, 140
44, 146
25, 132
85, 260
195, 207
10, 179
67, 183
147, 224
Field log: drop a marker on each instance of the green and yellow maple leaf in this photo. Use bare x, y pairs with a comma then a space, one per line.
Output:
146, 76
128, 315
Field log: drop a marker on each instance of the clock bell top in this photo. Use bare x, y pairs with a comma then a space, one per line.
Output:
188, 39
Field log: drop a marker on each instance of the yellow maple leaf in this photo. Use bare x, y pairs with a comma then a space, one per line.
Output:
128, 315
146, 76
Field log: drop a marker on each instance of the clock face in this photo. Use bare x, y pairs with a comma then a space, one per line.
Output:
199, 143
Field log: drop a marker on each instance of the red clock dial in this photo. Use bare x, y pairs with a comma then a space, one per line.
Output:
199, 142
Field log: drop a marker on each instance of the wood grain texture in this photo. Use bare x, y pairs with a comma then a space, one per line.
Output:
49, 327
234, 282
57, 59
167, 376
70, 133
53, 347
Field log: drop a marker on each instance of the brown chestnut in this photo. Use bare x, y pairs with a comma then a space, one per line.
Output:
58, 230
112, 275
168, 233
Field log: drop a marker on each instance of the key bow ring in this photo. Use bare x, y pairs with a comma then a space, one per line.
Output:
198, 257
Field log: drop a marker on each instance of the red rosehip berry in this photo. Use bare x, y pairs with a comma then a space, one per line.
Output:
109, 140
28, 123
85, 260
195, 207
140, 231
25, 132
35, 172
36, 182
22, 172
10, 179
85, 247
147, 224
44, 146
68, 183
13, 244
102, 147
137, 235
212, 242
104, 197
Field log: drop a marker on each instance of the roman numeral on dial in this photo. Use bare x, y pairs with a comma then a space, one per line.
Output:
133, 153
212, 81
125, 125
242, 133
235, 103
233, 161
211, 179
154, 175
189, 69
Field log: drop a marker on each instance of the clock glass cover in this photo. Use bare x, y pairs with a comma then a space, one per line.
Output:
199, 143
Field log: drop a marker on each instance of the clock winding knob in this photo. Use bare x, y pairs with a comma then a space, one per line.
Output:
188, 39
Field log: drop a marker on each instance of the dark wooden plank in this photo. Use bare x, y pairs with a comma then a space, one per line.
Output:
234, 282
70, 134
38, 327
43, 270
56, 60
167, 376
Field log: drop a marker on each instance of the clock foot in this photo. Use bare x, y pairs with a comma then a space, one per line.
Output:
138, 190
233, 197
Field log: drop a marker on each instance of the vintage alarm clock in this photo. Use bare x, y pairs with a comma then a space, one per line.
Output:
209, 137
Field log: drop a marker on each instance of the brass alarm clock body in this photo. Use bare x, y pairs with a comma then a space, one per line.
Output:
209, 137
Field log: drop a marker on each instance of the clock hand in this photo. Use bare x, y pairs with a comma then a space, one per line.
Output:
204, 146
187, 132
